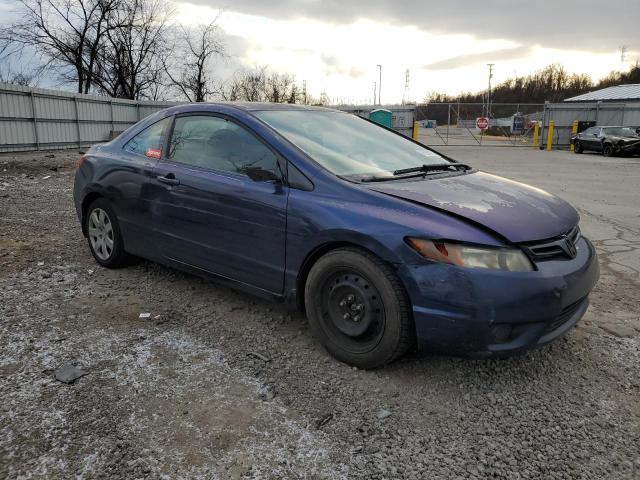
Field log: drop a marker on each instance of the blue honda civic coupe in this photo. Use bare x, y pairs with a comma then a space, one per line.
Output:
384, 242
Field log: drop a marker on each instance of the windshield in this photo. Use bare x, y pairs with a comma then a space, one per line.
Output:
620, 131
348, 145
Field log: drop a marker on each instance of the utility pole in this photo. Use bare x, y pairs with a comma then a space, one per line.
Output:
304, 91
405, 95
375, 91
380, 85
490, 65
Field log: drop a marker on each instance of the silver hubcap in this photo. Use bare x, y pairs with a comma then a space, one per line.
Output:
101, 233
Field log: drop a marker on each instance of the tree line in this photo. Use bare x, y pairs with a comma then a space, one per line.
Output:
131, 49
553, 83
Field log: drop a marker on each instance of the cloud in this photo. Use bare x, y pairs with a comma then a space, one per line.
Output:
335, 66
479, 58
571, 24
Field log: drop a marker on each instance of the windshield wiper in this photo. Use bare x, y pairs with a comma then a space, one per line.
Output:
432, 168
405, 173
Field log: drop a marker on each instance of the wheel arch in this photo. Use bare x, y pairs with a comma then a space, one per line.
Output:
88, 199
370, 246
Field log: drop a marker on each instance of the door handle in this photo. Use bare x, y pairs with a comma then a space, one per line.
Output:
169, 179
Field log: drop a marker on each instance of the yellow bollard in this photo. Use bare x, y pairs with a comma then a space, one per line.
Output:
536, 134
550, 135
574, 130
414, 133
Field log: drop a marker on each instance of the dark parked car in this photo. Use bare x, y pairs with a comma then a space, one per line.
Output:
383, 241
608, 140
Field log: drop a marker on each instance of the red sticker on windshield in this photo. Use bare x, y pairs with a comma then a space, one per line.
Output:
153, 153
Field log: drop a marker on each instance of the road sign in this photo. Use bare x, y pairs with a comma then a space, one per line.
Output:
482, 123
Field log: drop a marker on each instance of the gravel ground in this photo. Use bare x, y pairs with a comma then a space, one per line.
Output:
218, 384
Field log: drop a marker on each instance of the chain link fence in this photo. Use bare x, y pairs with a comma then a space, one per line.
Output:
509, 124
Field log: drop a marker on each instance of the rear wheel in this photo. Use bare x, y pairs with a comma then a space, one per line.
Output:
577, 147
607, 150
358, 308
103, 235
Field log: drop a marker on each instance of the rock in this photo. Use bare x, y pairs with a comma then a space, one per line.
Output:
619, 330
69, 373
267, 392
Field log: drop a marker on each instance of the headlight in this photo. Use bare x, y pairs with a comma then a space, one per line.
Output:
471, 256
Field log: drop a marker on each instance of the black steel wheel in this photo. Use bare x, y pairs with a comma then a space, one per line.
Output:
577, 147
607, 150
103, 235
358, 308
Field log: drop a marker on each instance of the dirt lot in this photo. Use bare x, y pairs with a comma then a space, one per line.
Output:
216, 384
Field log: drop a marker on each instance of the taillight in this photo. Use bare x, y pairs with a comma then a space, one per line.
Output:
81, 161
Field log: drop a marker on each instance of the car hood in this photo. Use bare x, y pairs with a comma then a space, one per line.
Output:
624, 139
513, 210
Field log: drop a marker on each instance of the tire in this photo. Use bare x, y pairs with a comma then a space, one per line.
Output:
103, 235
607, 150
358, 308
577, 147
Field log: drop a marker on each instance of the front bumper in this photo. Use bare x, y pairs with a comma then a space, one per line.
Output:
486, 313
628, 148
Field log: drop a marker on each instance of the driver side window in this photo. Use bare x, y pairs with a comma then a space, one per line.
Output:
218, 144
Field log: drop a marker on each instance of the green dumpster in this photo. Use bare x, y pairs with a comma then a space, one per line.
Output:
381, 116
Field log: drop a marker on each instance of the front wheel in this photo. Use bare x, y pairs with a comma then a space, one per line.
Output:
577, 147
607, 150
103, 235
358, 309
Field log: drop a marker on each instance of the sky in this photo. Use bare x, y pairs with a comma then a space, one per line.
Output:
336, 45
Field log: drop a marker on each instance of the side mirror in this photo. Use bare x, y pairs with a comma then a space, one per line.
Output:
259, 174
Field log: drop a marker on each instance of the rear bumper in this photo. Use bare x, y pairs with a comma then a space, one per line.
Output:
486, 313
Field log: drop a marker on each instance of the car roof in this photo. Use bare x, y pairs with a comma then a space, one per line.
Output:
248, 107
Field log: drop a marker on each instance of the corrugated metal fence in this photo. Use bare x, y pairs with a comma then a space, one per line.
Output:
38, 119
602, 113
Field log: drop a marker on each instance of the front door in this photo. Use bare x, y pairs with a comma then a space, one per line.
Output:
210, 214
591, 139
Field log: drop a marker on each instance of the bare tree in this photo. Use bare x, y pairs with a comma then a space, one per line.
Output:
260, 85
280, 88
25, 79
65, 33
191, 72
130, 60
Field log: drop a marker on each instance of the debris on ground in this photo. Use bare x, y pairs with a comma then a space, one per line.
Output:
259, 356
324, 420
69, 373
382, 414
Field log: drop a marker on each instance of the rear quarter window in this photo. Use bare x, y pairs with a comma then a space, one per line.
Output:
149, 139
